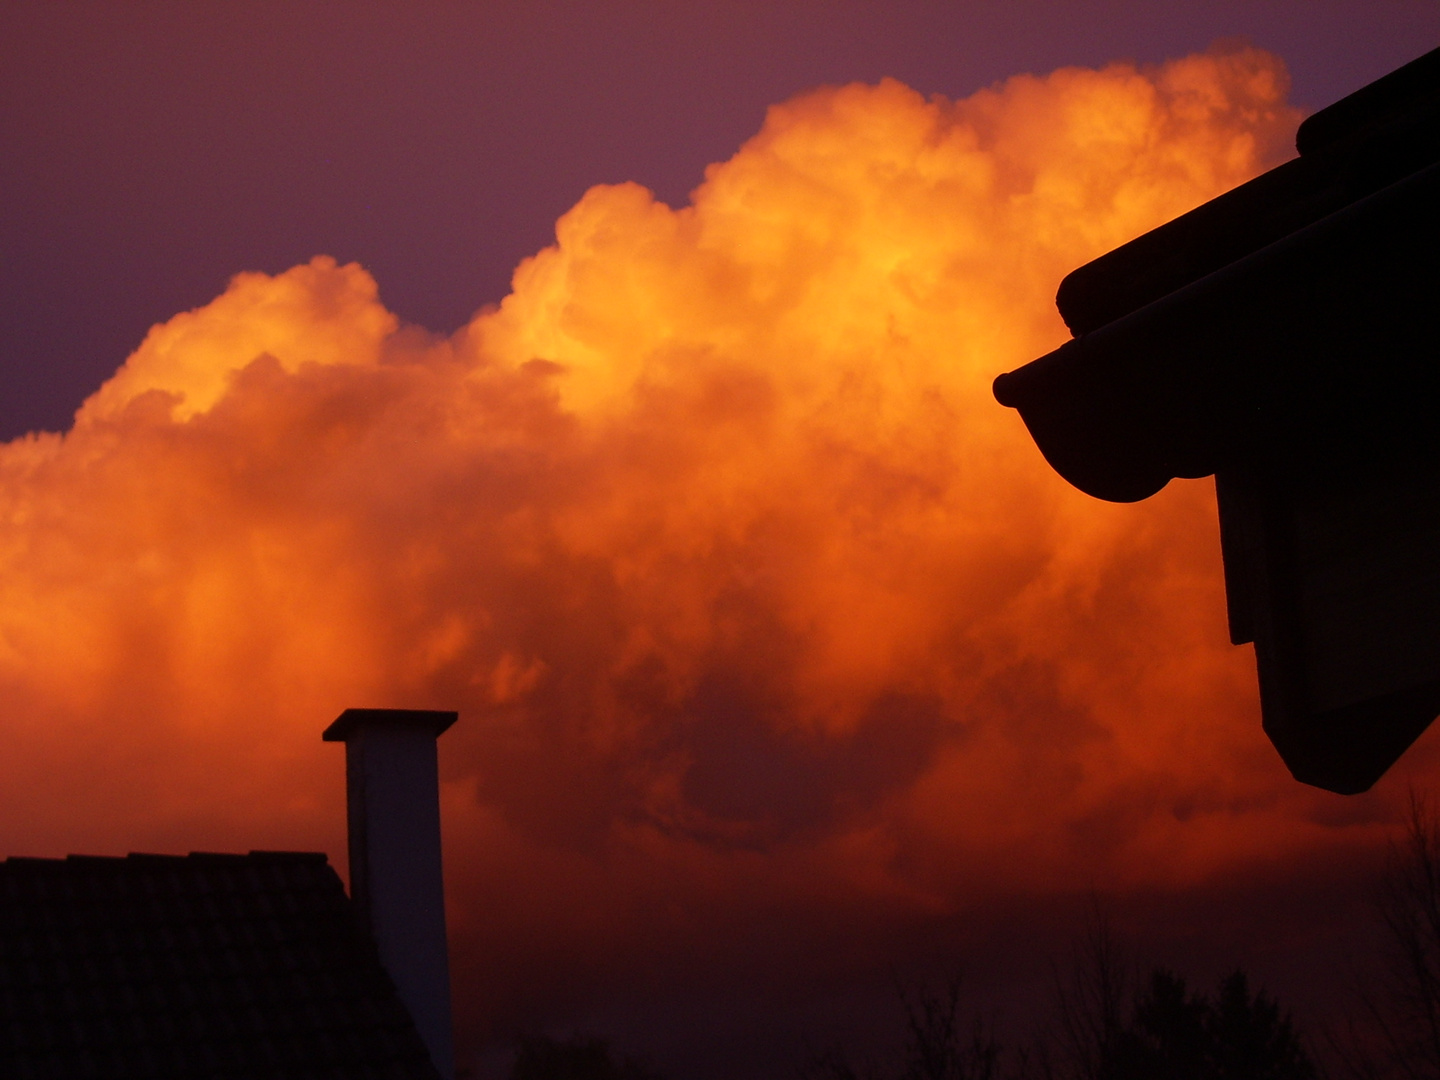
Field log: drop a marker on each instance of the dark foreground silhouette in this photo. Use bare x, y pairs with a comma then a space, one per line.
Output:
1103, 1028
578, 1058
1106, 1022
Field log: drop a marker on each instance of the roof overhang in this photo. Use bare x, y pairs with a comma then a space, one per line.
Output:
1335, 320
1284, 337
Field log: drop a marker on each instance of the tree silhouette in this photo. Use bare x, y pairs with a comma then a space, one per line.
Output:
1171, 1034
1105, 1030
539, 1057
940, 1044
1091, 1001
1105, 1026
1251, 1039
1178, 1035
1396, 1030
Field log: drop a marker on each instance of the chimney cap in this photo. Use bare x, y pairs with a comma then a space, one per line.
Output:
434, 722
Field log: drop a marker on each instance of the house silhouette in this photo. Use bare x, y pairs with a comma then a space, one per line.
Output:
1281, 337
258, 965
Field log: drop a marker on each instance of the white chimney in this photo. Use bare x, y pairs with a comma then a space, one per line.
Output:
393, 795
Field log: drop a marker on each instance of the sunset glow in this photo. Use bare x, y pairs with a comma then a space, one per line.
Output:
749, 595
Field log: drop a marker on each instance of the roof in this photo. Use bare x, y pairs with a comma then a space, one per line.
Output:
1282, 337
1301, 296
199, 966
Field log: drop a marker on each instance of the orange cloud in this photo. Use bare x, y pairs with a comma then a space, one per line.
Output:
749, 595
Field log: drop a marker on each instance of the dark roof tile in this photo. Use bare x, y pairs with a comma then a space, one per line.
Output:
1377, 136
202, 966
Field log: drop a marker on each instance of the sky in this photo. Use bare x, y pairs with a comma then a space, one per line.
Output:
154, 149
619, 376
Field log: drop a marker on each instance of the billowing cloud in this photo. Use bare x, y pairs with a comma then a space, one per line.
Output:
750, 596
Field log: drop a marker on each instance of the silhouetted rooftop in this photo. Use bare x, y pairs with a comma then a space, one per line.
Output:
198, 966
1272, 305
1283, 337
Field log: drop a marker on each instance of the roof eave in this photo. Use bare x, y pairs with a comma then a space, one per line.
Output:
1333, 315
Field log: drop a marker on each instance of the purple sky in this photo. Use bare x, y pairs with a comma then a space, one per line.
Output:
149, 151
